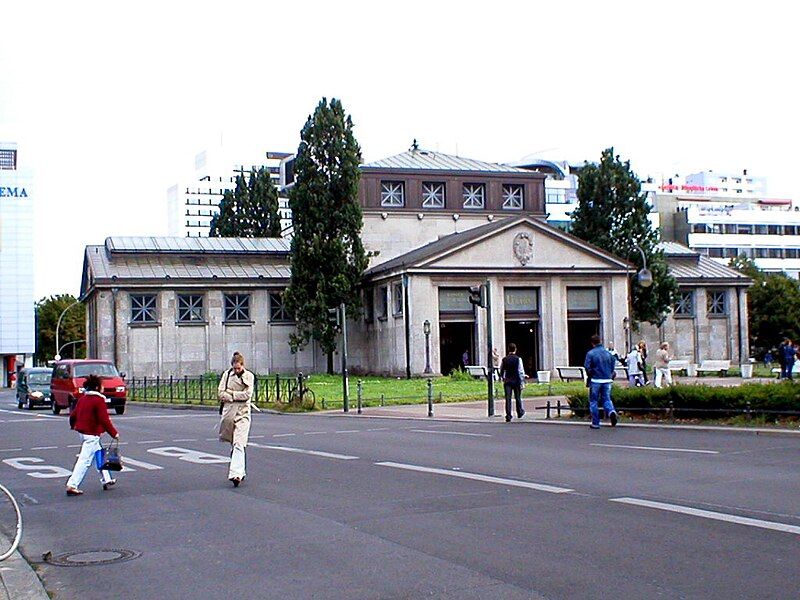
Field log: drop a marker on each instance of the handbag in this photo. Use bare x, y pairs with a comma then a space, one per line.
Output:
112, 460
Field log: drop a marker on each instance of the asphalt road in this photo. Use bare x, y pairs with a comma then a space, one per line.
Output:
354, 507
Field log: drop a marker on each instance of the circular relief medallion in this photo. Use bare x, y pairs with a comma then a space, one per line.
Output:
523, 247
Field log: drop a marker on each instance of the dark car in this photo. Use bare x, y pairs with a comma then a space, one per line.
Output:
33, 387
66, 385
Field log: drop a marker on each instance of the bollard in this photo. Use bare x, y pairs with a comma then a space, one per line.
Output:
440, 398
747, 414
558, 408
430, 397
383, 399
171, 397
277, 387
671, 410
548, 410
323, 403
201, 389
360, 396
158, 388
144, 387
186, 389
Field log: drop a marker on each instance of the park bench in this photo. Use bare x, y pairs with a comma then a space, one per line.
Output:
714, 366
682, 365
621, 372
795, 369
572, 373
477, 371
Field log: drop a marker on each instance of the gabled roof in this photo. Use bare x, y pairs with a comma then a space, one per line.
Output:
446, 245
197, 245
427, 160
690, 267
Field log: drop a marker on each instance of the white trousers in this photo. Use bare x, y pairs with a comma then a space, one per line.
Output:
663, 373
91, 444
237, 461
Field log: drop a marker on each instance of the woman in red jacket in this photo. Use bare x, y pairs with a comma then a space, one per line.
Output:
90, 419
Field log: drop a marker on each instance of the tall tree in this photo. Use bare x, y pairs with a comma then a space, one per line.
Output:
328, 258
612, 214
773, 306
73, 327
250, 210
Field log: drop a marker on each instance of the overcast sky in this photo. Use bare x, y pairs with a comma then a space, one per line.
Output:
110, 101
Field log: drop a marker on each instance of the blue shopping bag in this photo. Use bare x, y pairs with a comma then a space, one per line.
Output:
99, 458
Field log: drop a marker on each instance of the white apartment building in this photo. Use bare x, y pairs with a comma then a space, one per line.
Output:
194, 201
17, 312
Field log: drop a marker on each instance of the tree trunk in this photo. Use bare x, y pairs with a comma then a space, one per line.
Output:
330, 363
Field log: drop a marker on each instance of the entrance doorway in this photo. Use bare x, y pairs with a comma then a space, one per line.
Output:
455, 338
578, 334
525, 334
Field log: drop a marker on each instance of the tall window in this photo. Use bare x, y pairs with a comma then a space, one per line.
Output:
237, 308
474, 195
143, 308
277, 309
685, 304
393, 193
512, 197
432, 195
397, 299
716, 302
383, 303
190, 308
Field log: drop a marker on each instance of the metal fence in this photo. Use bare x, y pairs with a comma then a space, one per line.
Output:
203, 390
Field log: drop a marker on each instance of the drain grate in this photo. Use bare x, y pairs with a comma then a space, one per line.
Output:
91, 557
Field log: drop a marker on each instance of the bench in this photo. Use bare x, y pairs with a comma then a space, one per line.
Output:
621, 372
681, 365
477, 371
714, 366
572, 373
795, 369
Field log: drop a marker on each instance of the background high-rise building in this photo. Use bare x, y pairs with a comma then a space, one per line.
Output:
17, 312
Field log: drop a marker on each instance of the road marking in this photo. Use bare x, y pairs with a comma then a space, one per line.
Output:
657, 448
192, 456
44, 447
283, 434
478, 477
707, 514
379, 429
451, 433
38, 471
11, 450
138, 463
348, 431
257, 436
186, 440
151, 442
201, 416
315, 433
303, 451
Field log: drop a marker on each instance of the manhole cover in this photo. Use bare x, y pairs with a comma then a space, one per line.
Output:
92, 557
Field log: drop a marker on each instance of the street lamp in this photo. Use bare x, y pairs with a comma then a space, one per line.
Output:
644, 276
426, 328
58, 325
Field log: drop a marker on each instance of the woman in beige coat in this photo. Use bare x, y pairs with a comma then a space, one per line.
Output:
235, 391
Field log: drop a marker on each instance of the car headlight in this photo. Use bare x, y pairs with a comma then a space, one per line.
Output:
36, 395
120, 388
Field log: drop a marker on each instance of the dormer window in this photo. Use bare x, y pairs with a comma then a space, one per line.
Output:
474, 195
432, 194
393, 193
512, 197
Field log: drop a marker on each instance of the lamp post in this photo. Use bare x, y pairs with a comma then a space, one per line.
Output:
426, 328
70, 344
644, 276
58, 325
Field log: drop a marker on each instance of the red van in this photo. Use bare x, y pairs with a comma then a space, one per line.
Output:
66, 385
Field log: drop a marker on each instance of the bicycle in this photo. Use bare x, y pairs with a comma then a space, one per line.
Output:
301, 396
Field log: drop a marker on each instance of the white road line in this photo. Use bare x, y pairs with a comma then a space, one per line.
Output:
657, 448
11, 450
216, 439
707, 514
256, 436
200, 416
151, 442
44, 447
478, 477
74, 445
186, 440
379, 429
348, 431
283, 434
303, 451
315, 433
138, 463
451, 433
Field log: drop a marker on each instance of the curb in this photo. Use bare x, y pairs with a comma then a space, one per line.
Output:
18, 580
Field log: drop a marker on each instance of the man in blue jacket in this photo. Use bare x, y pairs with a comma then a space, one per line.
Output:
599, 365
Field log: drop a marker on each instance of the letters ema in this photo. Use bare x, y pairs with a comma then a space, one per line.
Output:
13, 192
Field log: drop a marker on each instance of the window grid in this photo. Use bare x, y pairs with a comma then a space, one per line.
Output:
8, 160
474, 195
190, 308
512, 197
237, 308
393, 193
685, 304
277, 309
143, 308
716, 303
432, 195
397, 303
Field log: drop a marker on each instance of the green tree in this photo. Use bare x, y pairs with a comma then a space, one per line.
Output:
250, 210
328, 258
773, 306
613, 214
73, 327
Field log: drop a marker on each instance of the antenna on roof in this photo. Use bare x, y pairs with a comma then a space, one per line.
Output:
414, 145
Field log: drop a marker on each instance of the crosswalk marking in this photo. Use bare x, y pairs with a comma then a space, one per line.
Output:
126, 460
304, 451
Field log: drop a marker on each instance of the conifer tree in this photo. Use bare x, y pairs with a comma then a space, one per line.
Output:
328, 258
612, 214
250, 210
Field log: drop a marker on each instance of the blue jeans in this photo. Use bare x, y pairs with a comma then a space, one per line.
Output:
600, 391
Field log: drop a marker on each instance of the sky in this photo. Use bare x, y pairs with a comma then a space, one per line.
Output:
109, 102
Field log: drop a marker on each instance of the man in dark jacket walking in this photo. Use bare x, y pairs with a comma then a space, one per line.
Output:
599, 365
512, 373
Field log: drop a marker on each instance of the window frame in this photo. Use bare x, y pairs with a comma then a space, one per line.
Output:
229, 312
684, 308
388, 193
277, 308
508, 196
383, 303
430, 194
191, 308
469, 196
144, 312
397, 299
715, 308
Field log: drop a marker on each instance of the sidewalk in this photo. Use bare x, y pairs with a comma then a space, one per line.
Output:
18, 580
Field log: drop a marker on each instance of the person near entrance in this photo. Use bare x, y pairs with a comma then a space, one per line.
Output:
513, 375
599, 365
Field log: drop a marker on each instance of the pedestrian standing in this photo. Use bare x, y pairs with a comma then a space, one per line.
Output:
235, 392
614, 353
642, 346
90, 419
786, 358
599, 365
662, 365
513, 375
633, 362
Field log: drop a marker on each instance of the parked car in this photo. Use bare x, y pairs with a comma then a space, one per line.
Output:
33, 387
66, 385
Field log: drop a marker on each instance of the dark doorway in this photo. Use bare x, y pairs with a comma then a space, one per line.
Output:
525, 334
578, 334
454, 340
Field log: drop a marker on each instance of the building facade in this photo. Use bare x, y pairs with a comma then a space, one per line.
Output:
17, 312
